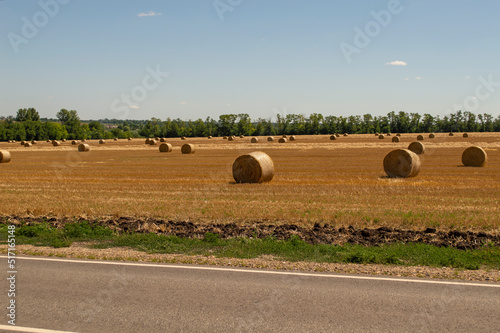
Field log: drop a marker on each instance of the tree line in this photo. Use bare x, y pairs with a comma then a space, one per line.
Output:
27, 125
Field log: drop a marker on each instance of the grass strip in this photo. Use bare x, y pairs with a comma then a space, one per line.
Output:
293, 249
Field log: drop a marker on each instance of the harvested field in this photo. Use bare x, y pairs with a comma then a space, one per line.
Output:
341, 183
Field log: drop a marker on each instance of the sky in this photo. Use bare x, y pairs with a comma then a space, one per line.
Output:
203, 58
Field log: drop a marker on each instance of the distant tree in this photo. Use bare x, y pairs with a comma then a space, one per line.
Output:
27, 114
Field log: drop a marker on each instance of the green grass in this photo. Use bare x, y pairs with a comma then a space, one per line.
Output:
294, 249
43, 234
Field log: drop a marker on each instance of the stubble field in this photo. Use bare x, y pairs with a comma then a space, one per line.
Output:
339, 182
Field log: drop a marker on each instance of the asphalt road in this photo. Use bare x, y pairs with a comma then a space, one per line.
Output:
90, 296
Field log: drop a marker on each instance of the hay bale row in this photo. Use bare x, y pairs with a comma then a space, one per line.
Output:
4, 156
255, 167
401, 163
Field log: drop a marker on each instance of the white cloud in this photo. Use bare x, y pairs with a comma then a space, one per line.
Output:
151, 13
407, 79
396, 63
418, 78
134, 107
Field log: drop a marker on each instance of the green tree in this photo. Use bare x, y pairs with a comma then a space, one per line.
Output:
27, 114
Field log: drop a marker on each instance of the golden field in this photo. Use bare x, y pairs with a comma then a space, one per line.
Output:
339, 182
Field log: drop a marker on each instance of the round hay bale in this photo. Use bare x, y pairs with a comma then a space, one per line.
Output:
337, 135
209, 137
83, 140
153, 142
34, 142
129, 139
284, 136
115, 139
377, 134
56, 143
292, 138
333, 137
451, 134
231, 138
395, 139
465, 135
101, 142
23, 143
417, 147
254, 140
28, 144
74, 142
183, 138
255, 167
165, 148
4, 156
63, 140
283, 140
187, 149
381, 136
48, 140
82, 147
474, 156
401, 163
345, 134
242, 136
157, 139
399, 134
432, 136
420, 137
388, 134
270, 138
147, 141
224, 137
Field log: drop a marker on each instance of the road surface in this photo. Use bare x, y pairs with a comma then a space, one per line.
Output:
109, 296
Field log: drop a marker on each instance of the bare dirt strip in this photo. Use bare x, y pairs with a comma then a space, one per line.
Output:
318, 234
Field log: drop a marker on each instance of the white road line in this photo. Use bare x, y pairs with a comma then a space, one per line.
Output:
12, 328
225, 269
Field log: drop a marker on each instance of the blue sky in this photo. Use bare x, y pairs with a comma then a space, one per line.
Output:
199, 58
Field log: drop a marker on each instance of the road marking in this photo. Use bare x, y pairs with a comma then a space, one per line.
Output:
12, 328
238, 270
